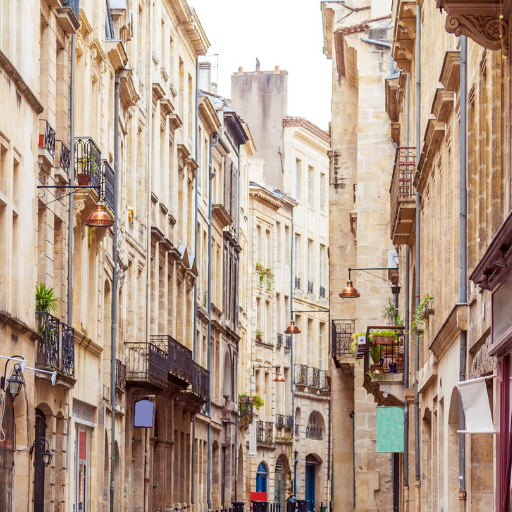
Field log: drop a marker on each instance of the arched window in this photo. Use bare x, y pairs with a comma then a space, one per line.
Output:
315, 426
261, 478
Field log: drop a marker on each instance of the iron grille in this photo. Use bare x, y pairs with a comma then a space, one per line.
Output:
301, 375
297, 283
280, 421
314, 378
288, 341
310, 287
260, 432
64, 156
87, 162
288, 422
107, 185
313, 432
146, 363
269, 432
49, 334
67, 365
384, 354
179, 357
342, 331
245, 409
120, 376
46, 136
200, 381
322, 292
73, 4
279, 341
265, 432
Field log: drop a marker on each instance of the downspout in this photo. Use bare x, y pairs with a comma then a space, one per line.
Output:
353, 416
71, 207
213, 142
463, 255
417, 483
329, 448
406, 324
291, 355
192, 486
382, 43
114, 295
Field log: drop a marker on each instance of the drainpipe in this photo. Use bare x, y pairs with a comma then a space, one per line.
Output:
71, 203
192, 486
463, 255
291, 356
382, 43
114, 294
213, 142
329, 443
406, 325
417, 483
353, 416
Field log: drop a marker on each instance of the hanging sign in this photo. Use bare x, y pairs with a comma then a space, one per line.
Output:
143, 417
390, 429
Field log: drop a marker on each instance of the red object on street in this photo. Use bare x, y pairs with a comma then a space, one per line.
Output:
258, 496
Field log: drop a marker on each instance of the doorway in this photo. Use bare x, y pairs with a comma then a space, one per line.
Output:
310, 486
39, 448
261, 478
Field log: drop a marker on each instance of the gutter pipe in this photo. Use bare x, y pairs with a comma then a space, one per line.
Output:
291, 355
114, 294
353, 416
417, 483
463, 255
213, 142
192, 486
382, 43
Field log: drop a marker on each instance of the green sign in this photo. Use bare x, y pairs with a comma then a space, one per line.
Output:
390, 429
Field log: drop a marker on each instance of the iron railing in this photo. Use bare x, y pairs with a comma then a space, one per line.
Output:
179, 357
310, 287
288, 422
288, 341
67, 364
49, 336
402, 186
280, 421
314, 378
87, 162
146, 363
301, 375
200, 381
245, 409
120, 376
342, 331
384, 354
64, 154
265, 432
322, 292
46, 136
73, 4
283, 421
107, 185
279, 341
297, 430
313, 432
297, 283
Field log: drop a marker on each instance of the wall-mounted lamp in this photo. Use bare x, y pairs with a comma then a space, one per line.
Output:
47, 455
293, 329
15, 380
279, 377
350, 292
99, 218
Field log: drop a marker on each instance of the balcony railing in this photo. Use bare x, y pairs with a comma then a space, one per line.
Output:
297, 430
342, 331
297, 283
46, 136
73, 4
301, 375
279, 341
265, 432
283, 421
87, 162
180, 360
313, 432
314, 378
322, 292
65, 157
146, 363
310, 287
288, 341
384, 353
56, 344
120, 376
200, 381
311, 377
107, 185
403, 194
245, 409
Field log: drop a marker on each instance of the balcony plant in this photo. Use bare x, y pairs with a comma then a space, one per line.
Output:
392, 315
46, 302
259, 336
420, 315
269, 275
353, 345
261, 272
383, 336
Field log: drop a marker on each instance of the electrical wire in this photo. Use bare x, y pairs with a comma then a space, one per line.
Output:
57, 199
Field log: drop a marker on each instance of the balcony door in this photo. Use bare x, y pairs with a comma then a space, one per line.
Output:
39, 467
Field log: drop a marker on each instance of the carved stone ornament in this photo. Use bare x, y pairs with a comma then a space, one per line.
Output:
486, 30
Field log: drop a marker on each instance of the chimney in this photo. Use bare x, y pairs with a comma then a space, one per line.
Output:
205, 76
258, 64
276, 70
240, 70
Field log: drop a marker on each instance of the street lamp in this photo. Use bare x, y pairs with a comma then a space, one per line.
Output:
350, 292
15, 380
292, 328
99, 218
47, 455
279, 376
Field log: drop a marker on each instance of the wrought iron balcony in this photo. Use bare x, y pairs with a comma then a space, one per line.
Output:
67, 364
297, 283
314, 378
322, 292
245, 410
87, 162
342, 331
46, 137
146, 363
107, 185
301, 375
297, 430
288, 341
180, 360
310, 287
64, 154
200, 381
265, 432
283, 421
288, 423
74, 4
49, 337
279, 421
120, 376
403, 194
313, 432
279, 341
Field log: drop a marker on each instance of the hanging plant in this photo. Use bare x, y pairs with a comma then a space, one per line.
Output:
261, 272
270, 279
46, 302
421, 313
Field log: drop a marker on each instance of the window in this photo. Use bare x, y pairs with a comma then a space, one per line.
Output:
320, 344
322, 249
268, 243
322, 192
311, 185
287, 256
261, 478
296, 262
297, 178
278, 236
310, 331
310, 249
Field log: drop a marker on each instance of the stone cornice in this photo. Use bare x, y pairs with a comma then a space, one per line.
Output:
442, 105
456, 321
450, 71
433, 134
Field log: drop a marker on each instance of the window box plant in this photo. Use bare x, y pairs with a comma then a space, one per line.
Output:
259, 336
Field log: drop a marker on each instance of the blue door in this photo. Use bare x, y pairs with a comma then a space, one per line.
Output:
261, 478
310, 486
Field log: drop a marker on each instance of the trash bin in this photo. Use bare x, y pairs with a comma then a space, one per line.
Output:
260, 506
291, 503
302, 505
238, 506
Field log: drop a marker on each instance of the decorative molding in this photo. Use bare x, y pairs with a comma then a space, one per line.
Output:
456, 321
450, 71
442, 105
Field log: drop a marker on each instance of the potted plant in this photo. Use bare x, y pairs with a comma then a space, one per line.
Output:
82, 175
259, 336
383, 336
270, 278
376, 352
46, 302
420, 315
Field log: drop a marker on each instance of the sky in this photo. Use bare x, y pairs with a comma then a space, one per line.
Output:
284, 33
